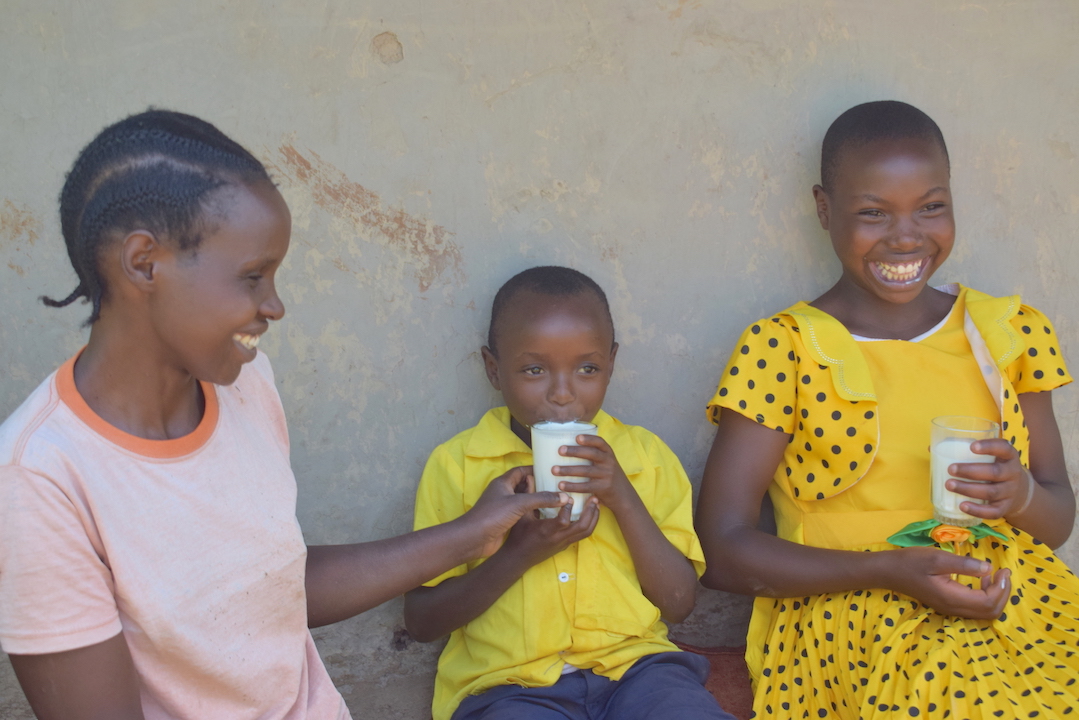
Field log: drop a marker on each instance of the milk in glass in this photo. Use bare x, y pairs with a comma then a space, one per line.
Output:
547, 438
951, 439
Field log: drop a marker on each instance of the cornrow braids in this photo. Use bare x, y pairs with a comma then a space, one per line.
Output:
154, 171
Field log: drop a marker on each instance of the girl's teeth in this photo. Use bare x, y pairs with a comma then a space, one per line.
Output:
248, 341
900, 272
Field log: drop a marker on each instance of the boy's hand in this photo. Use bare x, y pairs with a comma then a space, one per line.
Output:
506, 500
536, 539
1004, 484
605, 478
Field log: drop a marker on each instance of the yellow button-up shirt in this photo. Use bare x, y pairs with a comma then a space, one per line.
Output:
583, 606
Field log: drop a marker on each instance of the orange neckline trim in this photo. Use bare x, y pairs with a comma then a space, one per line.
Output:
162, 449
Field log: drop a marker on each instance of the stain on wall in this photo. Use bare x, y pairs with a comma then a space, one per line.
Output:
428, 247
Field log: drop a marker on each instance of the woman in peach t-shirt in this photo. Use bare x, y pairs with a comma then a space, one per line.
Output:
151, 564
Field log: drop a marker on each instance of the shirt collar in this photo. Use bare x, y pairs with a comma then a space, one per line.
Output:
493, 438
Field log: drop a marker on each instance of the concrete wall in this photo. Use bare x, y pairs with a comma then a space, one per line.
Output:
429, 150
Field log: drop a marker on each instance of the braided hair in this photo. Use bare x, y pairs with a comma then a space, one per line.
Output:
870, 122
154, 171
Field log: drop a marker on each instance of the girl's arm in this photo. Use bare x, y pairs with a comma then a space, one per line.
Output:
91, 683
345, 580
434, 612
742, 559
1039, 501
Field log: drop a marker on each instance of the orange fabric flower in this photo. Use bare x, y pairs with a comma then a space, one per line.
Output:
949, 534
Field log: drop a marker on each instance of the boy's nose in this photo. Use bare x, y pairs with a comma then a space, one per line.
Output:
561, 392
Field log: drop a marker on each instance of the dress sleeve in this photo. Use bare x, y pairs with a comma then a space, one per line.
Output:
760, 378
56, 591
439, 499
1041, 366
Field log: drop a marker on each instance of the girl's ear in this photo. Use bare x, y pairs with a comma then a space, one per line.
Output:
140, 253
821, 199
490, 366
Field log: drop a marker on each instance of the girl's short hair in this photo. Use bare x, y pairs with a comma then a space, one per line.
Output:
152, 171
872, 121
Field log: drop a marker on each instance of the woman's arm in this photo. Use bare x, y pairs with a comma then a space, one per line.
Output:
345, 580
434, 612
742, 559
91, 683
1039, 501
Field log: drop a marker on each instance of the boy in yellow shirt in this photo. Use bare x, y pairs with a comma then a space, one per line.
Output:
564, 620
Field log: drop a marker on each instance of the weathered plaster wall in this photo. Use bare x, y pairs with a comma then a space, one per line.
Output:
430, 150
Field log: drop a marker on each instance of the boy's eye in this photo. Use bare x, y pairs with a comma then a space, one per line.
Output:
533, 370
589, 370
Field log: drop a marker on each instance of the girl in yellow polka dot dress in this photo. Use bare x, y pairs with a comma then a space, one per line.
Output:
826, 406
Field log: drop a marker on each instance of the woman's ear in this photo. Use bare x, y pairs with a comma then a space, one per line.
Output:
820, 197
490, 366
140, 254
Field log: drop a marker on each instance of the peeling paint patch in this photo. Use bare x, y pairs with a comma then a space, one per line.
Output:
18, 224
1062, 149
388, 48
430, 251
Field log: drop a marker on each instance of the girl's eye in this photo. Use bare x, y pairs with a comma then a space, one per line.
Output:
934, 207
589, 370
533, 370
871, 213
253, 279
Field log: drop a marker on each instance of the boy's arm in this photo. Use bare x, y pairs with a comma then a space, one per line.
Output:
345, 580
666, 576
434, 612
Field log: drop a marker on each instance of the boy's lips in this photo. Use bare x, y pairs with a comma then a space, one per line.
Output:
901, 273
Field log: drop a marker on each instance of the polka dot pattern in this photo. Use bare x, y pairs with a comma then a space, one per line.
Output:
879, 654
1041, 366
771, 379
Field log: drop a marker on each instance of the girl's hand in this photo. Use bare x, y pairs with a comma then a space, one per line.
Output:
926, 575
605, 478
1004, 484
536, 539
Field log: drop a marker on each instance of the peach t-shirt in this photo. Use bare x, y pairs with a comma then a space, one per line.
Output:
190, 547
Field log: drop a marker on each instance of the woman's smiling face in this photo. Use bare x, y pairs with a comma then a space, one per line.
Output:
889, 216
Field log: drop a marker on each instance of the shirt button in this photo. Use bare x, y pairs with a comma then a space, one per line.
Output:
563, 577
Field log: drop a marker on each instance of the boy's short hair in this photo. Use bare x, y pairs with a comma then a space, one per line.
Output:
872, 121
551, 280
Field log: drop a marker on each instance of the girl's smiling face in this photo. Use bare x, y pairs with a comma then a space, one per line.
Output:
889, 216
216, 302
554, 357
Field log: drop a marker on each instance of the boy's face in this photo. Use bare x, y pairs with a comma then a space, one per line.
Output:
890, 216
555, 356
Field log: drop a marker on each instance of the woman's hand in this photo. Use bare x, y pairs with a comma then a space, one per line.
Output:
1004, 484
534, 539
926, 574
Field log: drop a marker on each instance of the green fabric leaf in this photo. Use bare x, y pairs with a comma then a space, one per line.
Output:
917, 534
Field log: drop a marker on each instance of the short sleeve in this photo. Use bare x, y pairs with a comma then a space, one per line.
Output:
760, 379
1041, 366
439, 499
56, 592
672, 505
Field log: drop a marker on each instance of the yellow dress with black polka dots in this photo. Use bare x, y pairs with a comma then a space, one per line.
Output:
855, 471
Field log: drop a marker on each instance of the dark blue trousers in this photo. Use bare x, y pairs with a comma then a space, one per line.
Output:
665, 686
